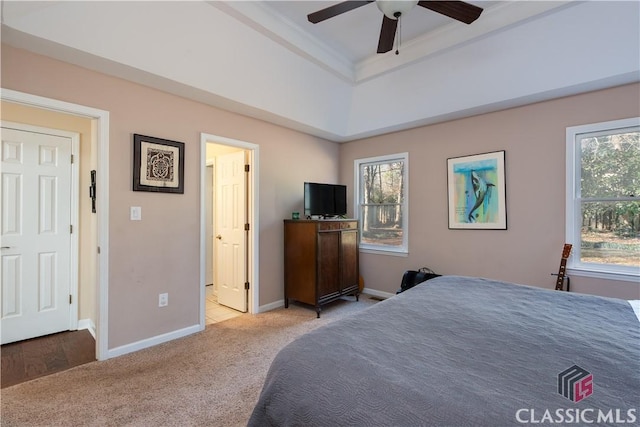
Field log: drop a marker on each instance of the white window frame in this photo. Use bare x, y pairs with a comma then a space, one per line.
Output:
402, 250
573, 202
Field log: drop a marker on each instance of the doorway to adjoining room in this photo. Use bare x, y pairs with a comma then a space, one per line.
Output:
226, 237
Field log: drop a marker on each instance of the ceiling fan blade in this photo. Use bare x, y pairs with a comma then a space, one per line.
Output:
387, 34
458, 10
335, 10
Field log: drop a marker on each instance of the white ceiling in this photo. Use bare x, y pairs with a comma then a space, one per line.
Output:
265, 60
354, 34
347, 43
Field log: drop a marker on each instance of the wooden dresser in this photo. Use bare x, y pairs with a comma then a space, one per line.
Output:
320, 261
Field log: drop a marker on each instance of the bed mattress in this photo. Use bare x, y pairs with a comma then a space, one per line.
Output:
461, 351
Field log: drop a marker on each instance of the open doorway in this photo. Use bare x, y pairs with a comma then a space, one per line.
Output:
89, 302
228, 242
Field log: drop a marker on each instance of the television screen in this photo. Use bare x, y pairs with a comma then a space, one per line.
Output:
324, 199
340, 199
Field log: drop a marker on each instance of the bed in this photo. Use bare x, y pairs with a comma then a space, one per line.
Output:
462, 351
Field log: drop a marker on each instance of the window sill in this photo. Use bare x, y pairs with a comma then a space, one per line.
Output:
379, 251
602, 274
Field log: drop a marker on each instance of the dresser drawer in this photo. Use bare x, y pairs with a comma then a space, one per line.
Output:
337, 225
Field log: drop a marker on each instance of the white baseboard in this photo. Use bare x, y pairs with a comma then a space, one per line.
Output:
271, 306
280, 303
150, 342
159, 339
87, 324
379, 294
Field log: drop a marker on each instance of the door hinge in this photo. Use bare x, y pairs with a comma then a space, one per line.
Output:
246, 285
71, 229
98, 249
72, 159
70, 299
247, 168
246, 227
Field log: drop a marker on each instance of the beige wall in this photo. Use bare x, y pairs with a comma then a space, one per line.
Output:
534, 140
87, 245
161, 252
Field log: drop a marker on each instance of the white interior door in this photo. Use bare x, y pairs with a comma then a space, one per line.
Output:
230, 214
36, 234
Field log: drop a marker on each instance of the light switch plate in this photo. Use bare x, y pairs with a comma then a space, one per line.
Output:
136, 213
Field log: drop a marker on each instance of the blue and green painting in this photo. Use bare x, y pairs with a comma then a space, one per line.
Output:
475, 191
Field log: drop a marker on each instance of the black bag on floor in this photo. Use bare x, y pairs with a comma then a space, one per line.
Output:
410, 278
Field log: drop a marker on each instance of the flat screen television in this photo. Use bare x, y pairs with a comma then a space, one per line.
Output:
325, 200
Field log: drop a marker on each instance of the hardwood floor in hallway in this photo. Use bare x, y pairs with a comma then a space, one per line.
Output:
26, 360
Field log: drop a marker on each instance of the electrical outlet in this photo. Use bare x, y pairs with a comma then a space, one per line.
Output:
163, 300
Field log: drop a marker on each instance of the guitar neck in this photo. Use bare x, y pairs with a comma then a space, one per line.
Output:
561, 274
566, 251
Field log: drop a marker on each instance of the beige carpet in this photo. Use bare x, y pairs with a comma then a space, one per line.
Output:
211, 378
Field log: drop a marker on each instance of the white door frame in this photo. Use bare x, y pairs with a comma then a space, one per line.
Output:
74, 194
253, 259
100, 131
209, 224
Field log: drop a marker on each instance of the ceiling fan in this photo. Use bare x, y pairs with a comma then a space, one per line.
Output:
394, 9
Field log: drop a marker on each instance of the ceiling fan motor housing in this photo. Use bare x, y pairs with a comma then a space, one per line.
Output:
393, 9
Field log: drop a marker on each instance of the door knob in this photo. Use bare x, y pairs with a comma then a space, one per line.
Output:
219, 237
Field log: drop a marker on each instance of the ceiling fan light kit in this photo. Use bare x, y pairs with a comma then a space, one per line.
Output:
394, 9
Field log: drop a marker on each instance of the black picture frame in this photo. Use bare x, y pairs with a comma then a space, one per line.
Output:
158, 165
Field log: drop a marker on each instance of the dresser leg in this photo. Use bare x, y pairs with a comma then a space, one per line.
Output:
318, 309
286, 302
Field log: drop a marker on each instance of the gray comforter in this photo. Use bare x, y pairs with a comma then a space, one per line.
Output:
460, 351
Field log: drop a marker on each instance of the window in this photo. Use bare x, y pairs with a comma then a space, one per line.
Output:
381, 205
603, 198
